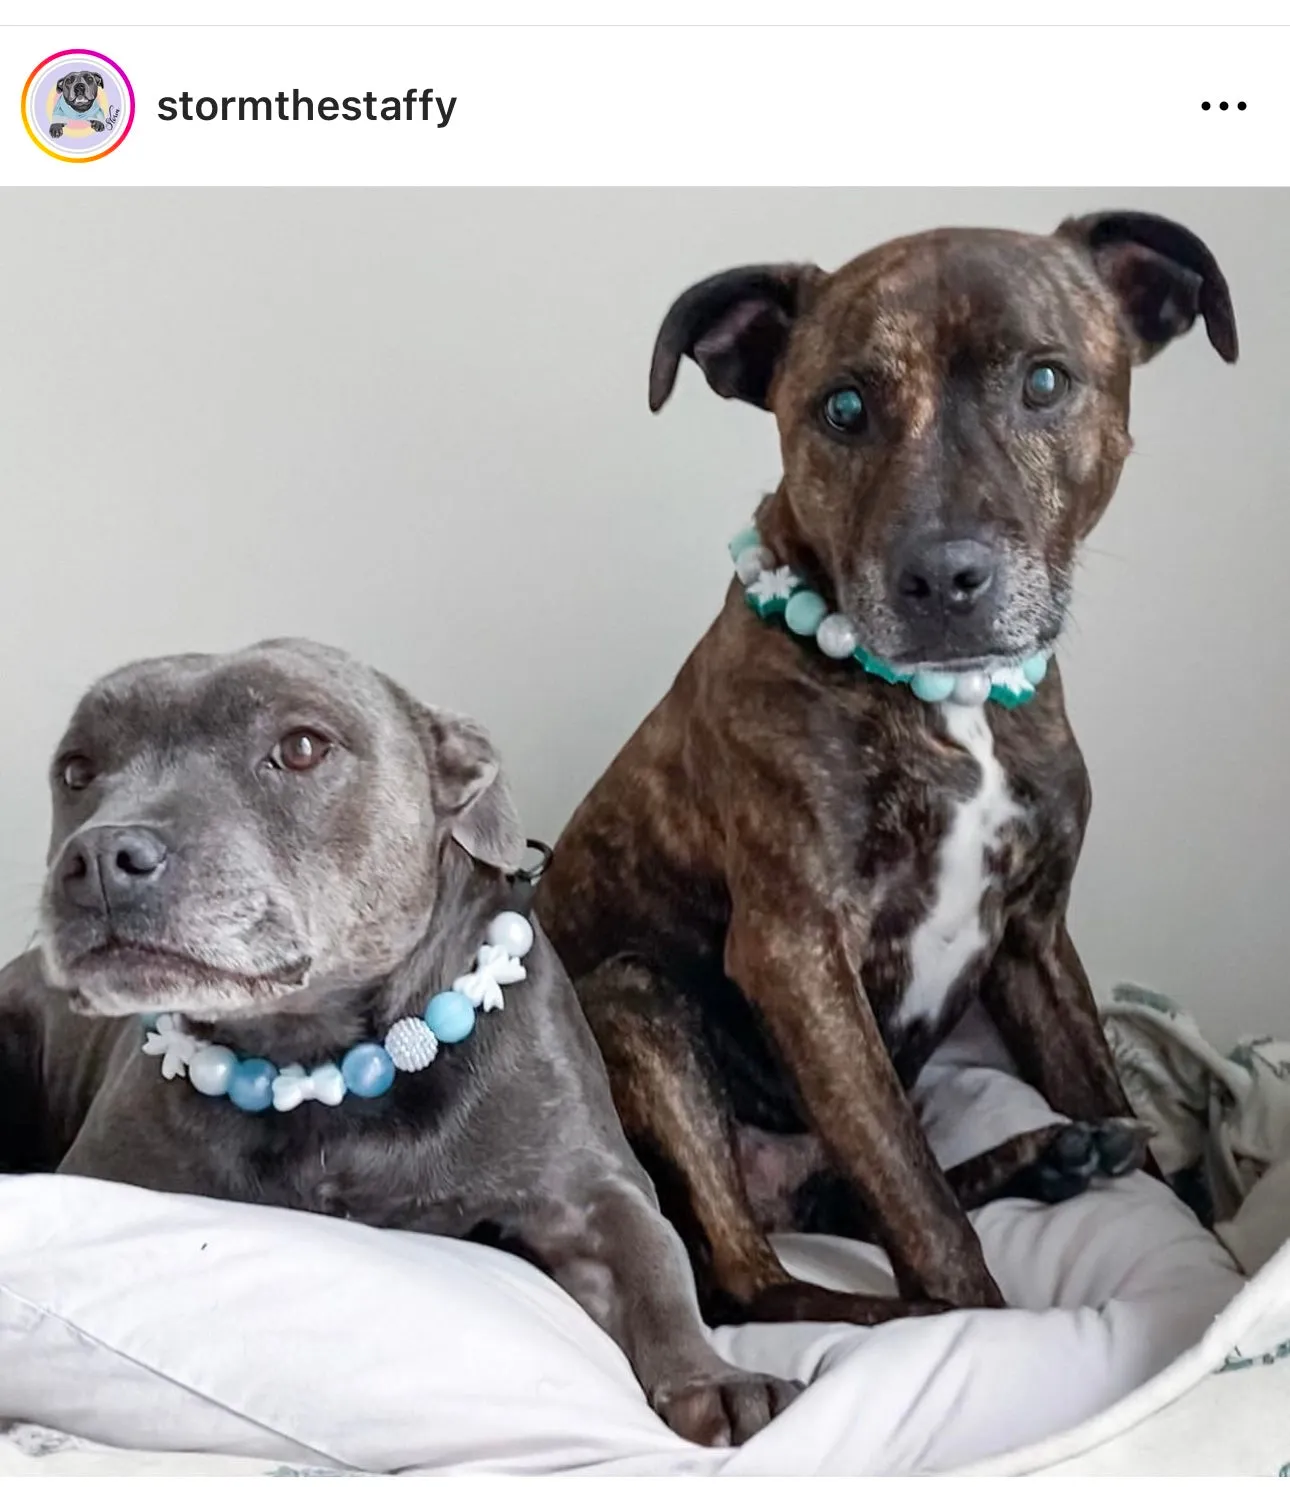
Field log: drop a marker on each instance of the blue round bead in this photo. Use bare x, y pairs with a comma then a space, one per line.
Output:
367, 1070
450, 1016
804, 612
932, 686
251, 1085
1035, 668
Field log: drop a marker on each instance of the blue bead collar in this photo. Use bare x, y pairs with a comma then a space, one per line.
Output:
777, 592
366, 1070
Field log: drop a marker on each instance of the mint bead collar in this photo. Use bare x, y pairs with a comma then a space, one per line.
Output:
778, 593
366, 1070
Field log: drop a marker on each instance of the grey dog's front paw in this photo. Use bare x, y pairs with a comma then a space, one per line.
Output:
55, 131
1082, 1151
96, 125
726, 1410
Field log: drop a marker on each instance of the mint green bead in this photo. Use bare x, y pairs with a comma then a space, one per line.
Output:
932, 686
1035, 668
804, 611
741, 541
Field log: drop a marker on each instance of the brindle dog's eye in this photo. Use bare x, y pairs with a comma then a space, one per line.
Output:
300, 750
1046, 384
77, 772
844, 410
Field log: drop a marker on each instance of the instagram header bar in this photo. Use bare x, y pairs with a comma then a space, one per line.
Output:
652, 105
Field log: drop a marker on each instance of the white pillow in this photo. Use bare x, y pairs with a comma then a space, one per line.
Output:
152, 1321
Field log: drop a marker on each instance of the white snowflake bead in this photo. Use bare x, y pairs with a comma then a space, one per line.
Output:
772, 585
511, 932
411, 1045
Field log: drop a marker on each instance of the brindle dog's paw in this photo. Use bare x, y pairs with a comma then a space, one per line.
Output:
1081, 1151
726, 1410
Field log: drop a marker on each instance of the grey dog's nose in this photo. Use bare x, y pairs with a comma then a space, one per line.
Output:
946, 578
112, 866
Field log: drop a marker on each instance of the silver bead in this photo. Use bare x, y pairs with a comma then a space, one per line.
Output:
752, 562
837, 636
971, 688
411, 1045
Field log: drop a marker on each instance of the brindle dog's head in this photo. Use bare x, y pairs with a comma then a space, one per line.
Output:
233, 831
953, 413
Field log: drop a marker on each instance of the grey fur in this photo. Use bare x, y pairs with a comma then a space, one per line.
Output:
292, 916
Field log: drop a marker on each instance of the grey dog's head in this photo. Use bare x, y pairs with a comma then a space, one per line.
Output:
81, 89
230, 831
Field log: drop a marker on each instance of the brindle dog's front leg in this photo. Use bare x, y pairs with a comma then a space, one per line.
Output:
802, 974
1041, 1002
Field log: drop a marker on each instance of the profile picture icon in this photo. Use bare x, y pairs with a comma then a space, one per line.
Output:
78, 106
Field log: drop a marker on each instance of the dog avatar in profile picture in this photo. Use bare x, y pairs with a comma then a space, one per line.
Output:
77, 105
80, 97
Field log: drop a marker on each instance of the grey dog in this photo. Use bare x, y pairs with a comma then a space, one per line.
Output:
78, 98
286, 849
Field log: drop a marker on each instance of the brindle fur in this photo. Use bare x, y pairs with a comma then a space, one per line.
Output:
737, 894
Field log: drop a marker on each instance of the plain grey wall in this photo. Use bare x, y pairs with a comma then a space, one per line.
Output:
414, 424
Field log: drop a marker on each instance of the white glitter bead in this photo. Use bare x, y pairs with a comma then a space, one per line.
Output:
837, 636
411, 1045
751, 562
971, 688
511, 932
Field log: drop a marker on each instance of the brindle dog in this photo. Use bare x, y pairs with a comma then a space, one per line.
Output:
741, 895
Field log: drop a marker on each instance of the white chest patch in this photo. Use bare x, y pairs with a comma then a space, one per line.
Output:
946, 941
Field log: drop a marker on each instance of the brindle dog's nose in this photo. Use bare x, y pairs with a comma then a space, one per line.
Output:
111, 866
946, 578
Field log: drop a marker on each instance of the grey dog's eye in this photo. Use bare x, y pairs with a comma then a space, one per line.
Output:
300, 750
844, 410
1046, 384
76, 772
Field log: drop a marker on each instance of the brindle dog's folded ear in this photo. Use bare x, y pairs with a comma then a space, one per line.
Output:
470, 789
735, 326
1162, 275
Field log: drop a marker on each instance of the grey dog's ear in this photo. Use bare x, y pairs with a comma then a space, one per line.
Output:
470, 789
735, 325
98, 78
1162, 275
